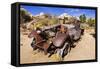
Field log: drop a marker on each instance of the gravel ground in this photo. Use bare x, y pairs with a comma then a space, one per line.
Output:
84, 50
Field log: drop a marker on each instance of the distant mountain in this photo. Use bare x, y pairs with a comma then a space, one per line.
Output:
43, 15
40, 14
64, 15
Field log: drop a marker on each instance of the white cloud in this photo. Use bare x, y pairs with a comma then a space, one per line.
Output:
71, 10
74, 10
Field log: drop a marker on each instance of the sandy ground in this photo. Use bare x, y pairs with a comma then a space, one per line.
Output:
84, 50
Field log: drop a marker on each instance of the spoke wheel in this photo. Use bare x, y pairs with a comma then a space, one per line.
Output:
66, 50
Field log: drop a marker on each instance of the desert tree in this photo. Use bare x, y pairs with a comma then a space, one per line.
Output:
82, 18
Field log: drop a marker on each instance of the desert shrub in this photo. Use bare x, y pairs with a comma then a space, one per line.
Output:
53, 21
25, 16
45, 22
84, 26
91, 22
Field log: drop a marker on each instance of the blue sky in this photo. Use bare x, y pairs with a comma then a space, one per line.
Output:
34, 10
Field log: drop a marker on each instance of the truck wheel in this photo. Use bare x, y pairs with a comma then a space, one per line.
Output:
66, 50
